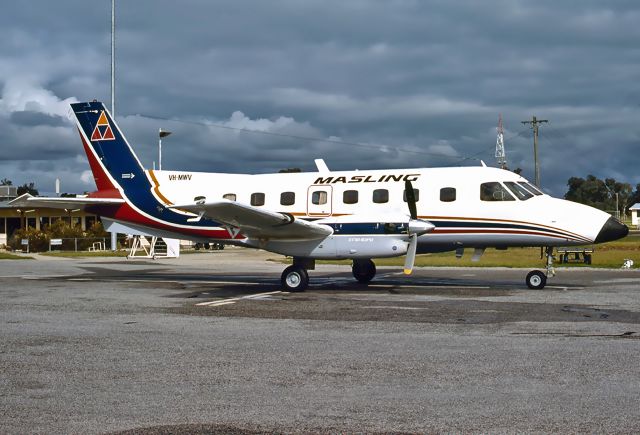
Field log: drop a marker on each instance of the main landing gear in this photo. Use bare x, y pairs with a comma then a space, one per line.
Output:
363, 270
296, 279
537, 279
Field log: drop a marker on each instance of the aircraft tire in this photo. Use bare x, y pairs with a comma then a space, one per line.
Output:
363, 270
536, 280
294, 279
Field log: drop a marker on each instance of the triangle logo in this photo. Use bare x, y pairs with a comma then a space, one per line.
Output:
108, 134
102, 130
103, 119
96, 134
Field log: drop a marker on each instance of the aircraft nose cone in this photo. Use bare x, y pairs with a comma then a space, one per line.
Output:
612, 230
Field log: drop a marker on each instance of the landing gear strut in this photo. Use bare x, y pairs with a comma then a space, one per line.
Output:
363, 270
536, 279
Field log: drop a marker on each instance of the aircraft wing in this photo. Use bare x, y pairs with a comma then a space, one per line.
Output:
256, 222
27, 200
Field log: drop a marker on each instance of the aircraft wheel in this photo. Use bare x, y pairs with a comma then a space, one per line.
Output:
536, 280
294, 279
363, 270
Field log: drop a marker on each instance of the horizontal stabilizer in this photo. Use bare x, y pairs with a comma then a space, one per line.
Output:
28, 200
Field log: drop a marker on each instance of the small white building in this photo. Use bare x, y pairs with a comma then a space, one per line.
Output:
634, 209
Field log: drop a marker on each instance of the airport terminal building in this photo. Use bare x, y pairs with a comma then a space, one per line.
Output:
13, 218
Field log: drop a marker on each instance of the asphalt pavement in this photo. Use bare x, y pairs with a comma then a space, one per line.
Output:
208, 343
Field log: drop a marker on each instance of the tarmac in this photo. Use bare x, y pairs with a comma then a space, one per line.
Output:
208, 343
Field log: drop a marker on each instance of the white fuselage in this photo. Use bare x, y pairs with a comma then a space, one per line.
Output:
358, 204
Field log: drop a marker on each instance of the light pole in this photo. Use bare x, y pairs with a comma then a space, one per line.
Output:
161, 134
113, 59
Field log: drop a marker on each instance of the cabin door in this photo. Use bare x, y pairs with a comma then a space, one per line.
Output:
319, 201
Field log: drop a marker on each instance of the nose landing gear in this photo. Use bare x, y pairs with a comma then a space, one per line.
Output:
536, 279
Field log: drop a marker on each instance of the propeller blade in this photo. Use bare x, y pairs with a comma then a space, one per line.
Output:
411, 254
411, 199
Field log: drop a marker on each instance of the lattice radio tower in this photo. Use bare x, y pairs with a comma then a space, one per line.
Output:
500, 154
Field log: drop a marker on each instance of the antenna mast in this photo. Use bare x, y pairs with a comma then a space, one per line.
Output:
500, 154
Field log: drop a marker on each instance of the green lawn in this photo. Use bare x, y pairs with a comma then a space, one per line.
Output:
608, 255
79, 254
8, 256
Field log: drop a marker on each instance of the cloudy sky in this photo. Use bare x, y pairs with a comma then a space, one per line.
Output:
370, 84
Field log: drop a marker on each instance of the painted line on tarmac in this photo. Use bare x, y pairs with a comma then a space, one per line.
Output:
234, 300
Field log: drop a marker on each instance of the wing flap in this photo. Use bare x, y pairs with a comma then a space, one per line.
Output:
255, 222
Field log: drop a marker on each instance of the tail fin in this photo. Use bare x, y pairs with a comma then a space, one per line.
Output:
114, 165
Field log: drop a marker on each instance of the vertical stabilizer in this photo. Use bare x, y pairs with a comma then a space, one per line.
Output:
113, 162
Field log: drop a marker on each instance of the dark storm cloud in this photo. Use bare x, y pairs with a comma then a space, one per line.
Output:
28, 118
416, 83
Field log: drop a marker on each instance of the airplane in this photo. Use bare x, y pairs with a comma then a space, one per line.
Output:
358, 215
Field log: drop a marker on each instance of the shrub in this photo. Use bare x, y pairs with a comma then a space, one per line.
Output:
38, 240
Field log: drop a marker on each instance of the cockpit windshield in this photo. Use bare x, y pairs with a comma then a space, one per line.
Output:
494, 191
520, 192
531, 188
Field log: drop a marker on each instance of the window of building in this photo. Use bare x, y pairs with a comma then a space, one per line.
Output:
287, 198
229, 196
319, 197
520, 192
380, 196
350, 197
90, 221
257, 199
448, 194
416, 194
2, 225
494, 192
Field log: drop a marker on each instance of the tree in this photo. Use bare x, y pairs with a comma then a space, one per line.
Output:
600, 194
635, 196
5, 182
29, 188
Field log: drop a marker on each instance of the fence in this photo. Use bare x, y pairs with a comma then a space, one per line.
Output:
66, 244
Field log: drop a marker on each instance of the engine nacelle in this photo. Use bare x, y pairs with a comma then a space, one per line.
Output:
344, 246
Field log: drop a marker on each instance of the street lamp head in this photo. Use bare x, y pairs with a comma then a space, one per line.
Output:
163, 133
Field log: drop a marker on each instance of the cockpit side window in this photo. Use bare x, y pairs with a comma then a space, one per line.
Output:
494, 191
531, 188
520, 192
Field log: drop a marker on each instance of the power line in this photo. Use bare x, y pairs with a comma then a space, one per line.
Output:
380, 147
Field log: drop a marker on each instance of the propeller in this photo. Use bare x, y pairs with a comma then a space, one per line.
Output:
416, 227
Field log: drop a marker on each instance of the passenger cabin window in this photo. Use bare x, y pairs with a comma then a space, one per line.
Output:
350, 197
257, 199
319, 197
380, 196
531, 188
416, 194
448, 194
287, 198
229, 196
520, 192
494, 192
